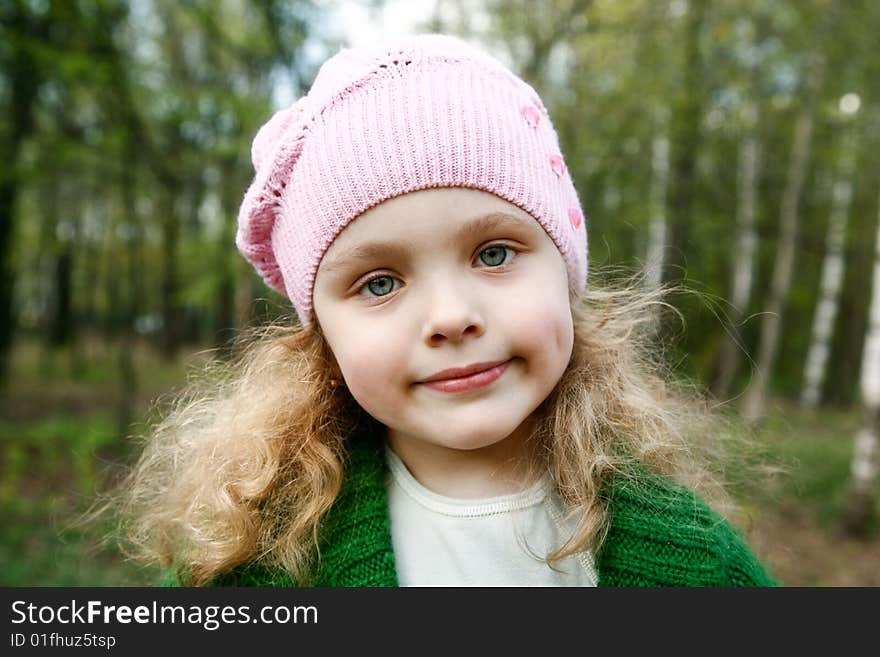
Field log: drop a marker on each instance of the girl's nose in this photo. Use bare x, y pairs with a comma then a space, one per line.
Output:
452, 314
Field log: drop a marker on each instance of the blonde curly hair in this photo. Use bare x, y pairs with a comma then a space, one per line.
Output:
249, 458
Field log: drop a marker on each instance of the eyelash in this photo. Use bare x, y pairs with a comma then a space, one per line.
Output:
362, 289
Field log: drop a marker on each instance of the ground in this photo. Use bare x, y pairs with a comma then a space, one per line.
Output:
801, 552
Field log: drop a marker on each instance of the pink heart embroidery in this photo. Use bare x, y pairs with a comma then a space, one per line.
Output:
531, 115
575, 217
557, 164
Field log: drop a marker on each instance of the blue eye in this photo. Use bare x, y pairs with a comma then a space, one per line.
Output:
380, 286
494, 256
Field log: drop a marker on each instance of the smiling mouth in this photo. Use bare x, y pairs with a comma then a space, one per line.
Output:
464, 379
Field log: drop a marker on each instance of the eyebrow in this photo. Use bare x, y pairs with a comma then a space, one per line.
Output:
472, 229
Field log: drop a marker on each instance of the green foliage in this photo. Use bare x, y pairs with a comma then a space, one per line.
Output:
813, 452
46, 446
51, 470
59, 445
39, 547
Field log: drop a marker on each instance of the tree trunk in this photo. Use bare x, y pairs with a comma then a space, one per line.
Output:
47, 247
95, 224
861, 511
755, 399
170, 278
60, 328
225, 320
125, 358
657, 230
685, 144
753, 406
22, 80
831, 280
743, 263
62, 227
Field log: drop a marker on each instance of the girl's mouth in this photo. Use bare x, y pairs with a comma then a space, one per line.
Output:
470, 381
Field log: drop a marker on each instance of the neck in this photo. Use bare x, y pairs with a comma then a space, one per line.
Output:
501, 468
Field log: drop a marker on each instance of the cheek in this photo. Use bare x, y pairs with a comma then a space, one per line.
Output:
545, 309
544, 331
372, 369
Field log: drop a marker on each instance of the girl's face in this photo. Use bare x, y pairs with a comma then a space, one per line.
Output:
440, 279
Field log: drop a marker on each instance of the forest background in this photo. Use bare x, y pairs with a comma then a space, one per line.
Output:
725, 146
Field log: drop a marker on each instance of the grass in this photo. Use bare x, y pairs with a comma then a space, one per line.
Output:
59, 435
798, 457
59, 432
816, 448
40, 548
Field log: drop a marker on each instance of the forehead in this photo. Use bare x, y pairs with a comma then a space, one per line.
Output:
427, 216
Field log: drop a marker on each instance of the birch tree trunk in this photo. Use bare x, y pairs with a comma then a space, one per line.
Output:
754, 404
831, 280
753, 407
861, 508
743, 262
657, 227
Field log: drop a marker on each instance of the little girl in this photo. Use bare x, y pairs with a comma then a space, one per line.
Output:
454, 405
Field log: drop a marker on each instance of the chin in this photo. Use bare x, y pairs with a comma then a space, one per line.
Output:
475, 437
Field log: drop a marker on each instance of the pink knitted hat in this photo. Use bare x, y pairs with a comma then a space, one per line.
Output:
378, 122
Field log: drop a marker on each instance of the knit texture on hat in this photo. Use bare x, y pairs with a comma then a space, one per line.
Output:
428, 111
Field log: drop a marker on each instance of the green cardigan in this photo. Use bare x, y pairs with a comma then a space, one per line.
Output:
660, 534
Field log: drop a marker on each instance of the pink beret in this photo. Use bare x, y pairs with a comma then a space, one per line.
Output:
426, 111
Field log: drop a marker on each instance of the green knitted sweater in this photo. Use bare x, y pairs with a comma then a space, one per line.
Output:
660, 534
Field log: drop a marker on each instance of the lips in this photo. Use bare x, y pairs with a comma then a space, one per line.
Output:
463, 379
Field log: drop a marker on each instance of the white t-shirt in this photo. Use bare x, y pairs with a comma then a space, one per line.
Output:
445, 541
